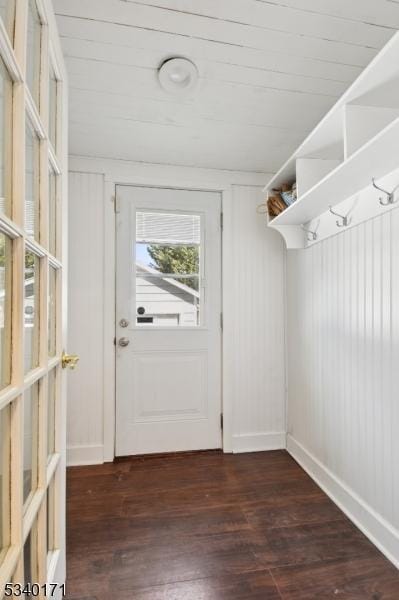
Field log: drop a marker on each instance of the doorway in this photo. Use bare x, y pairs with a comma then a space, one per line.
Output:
168, 320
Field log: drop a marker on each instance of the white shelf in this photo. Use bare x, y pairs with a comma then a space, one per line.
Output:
376, 158
358, 139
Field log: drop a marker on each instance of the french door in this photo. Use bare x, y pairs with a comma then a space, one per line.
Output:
32, 284
168, 344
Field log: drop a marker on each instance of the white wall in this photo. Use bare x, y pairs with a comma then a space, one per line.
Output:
253, 279
257, 354
85, 316
343, 375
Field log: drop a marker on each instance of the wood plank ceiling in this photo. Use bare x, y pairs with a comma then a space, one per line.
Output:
269, 70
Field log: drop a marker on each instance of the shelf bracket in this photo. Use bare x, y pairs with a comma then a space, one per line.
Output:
292, 235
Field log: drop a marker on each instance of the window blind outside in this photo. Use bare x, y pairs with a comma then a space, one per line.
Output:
168, 228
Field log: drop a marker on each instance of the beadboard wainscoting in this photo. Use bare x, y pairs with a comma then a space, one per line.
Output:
253, 305
257, 378
343, 376
85, 311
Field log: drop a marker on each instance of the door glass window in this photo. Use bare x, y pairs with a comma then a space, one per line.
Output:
50, 518
33, 51
53, 92
52, 213
5, 139
52, 306
28, 556
30, 456
7, 14
5, 310
51, 395
32, 183
4, 480
31, 310
167, 257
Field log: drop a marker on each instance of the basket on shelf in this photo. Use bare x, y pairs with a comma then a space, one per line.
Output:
280, 199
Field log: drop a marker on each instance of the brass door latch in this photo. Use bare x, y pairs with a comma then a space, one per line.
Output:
69, 361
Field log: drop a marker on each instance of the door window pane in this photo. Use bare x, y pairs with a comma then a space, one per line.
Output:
50, 517
32, 183
31, 408
52, 308
31, 310
5, 310
28, 560
53, 99
5, 138
51, 399
4, 480
7, 13
52, 213
167, 256
33, 51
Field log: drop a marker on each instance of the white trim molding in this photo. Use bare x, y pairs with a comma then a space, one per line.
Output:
85, 455
259, 442
375, 528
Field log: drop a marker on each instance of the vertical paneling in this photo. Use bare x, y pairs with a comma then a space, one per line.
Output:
86, 297
255, 318
343, 356
394, 362
258, 308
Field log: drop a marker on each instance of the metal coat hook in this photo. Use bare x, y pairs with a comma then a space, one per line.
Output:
344, 219
390, 195
311, 235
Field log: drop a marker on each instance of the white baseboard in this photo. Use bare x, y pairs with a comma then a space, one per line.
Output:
379, 531
258, 442
84, 455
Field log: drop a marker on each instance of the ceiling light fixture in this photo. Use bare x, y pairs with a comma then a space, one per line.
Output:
178, 75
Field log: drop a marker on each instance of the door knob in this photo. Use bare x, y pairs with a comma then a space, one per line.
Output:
69, 361
124, 342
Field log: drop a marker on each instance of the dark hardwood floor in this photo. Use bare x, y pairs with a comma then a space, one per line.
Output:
210, 526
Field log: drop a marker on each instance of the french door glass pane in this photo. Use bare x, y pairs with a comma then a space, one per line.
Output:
167, 255
30, 457
7, 8
51, 399
33, 51
4, 480
5, 310
31, 310
28, 561
52, 310
50, 517
5, 138
32, 183
52, 213
53, 85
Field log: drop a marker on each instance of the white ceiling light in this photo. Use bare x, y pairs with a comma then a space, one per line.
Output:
178, 75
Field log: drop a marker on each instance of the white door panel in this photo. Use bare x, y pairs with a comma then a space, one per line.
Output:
168, 390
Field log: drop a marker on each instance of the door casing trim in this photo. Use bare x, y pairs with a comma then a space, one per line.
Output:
227, 335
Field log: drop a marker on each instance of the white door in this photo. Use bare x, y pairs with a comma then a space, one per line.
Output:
33, 173
168, 326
